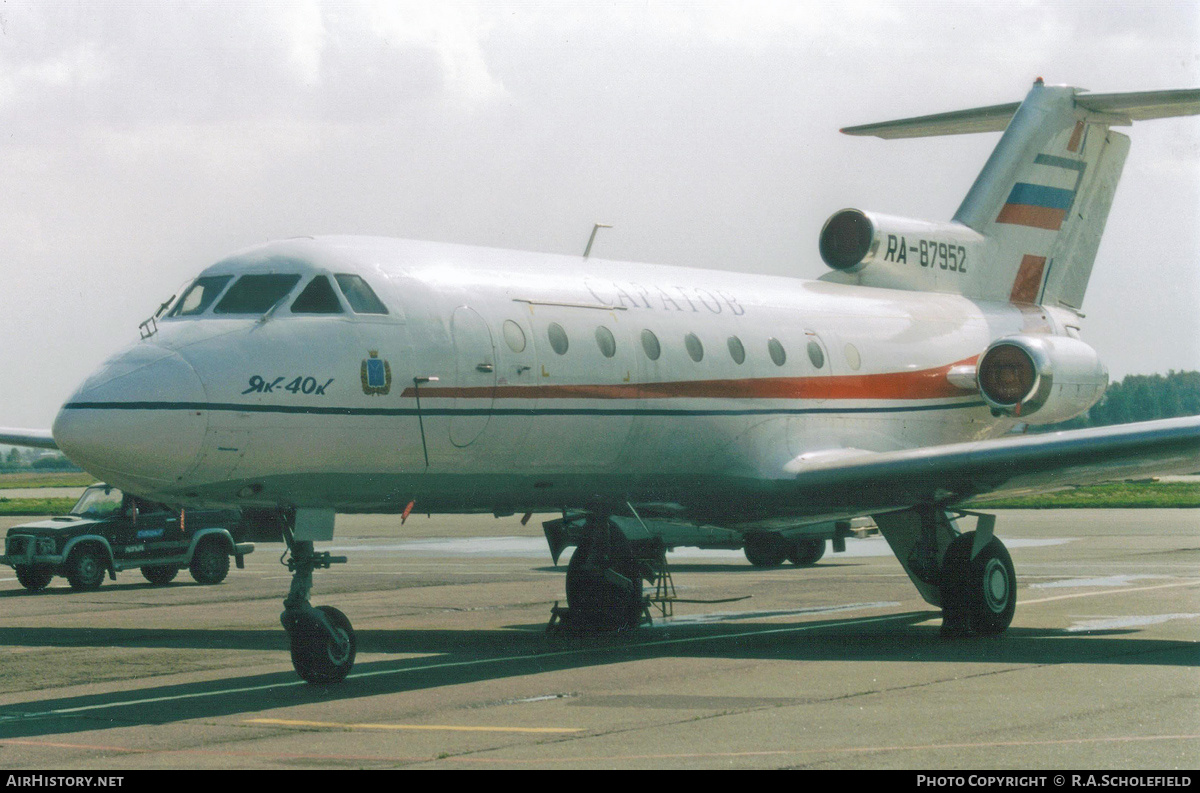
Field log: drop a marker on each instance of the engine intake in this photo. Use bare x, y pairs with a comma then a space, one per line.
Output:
899, 253
1041, 379
846, 240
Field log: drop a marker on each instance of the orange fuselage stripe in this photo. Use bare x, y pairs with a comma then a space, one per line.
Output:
922, 384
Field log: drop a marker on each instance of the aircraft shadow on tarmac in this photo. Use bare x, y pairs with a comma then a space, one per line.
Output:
732, 567
130, 585
467, 656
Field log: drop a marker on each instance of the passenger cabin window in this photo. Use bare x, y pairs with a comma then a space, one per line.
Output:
558, 338
816, 354
360, 295
737, 350
317, 298
200, 295
514, 336
606, 342
254, 294
778, 354
650, 345
695, 349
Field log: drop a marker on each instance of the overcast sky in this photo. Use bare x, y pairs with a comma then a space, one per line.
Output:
140, 142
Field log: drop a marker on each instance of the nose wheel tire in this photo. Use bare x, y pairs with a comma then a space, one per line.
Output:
323, 650
978, 595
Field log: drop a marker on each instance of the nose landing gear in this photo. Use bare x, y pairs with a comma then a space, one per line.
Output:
322, 639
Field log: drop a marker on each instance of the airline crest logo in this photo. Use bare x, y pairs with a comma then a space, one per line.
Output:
376, 375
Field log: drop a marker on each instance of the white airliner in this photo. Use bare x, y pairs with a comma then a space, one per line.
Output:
352, 374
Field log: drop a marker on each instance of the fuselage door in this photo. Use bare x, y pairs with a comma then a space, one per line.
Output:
475, 382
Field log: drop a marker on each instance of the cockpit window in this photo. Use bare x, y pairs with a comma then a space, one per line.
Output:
200, 295
359, 295
254, 294
317, 298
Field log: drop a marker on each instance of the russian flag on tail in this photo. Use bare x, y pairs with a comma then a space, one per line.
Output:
1037, 206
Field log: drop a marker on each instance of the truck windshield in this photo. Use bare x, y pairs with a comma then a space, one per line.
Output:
98, 502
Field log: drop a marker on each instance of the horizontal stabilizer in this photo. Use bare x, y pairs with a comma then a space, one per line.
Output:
959, 122
1121, 109
38, 439
1143, 105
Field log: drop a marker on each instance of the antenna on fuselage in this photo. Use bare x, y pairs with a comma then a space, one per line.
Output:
592, 238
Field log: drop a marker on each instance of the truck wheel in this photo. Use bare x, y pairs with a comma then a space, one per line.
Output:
160, 574
210, 562
85, 568
35, 578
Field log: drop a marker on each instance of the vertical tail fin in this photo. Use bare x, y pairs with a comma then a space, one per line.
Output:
1044, 195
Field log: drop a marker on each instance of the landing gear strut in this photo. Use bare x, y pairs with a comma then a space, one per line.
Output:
322, 640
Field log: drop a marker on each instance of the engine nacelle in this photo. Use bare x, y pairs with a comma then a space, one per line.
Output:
1040, 379
900, 253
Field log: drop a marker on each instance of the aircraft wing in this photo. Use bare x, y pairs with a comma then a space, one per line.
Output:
953, 473
39, 439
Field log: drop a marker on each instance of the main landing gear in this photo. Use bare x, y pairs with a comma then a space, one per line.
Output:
604, 580
767, 549
322, 640
979, 594
970, 575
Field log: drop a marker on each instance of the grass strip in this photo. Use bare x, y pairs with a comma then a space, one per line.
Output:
45, 479
1116, 495
36, 506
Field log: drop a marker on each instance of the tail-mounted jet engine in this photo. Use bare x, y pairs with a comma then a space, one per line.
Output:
899, 253
1041, 379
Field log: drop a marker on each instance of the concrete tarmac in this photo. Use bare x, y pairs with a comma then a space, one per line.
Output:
836, 666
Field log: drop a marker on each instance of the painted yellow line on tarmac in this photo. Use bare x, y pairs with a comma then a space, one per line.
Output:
833, 750
429, 727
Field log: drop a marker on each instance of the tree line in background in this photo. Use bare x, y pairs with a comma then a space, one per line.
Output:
34, 460
1141, 397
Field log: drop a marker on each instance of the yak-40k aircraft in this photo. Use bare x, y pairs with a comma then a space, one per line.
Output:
351, 374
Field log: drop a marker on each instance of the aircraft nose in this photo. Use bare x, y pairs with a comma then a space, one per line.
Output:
138, 422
